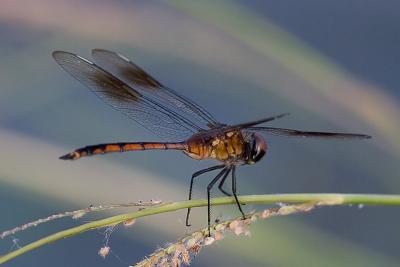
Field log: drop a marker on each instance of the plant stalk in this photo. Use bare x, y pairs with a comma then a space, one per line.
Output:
318, 199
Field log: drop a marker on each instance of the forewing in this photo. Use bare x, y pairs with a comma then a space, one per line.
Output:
137, 78
152, 115
297, 133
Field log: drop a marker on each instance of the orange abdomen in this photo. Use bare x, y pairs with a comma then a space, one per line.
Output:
121, 147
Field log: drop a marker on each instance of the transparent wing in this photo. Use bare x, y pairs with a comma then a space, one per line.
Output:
154, 116
297, 133
137, 78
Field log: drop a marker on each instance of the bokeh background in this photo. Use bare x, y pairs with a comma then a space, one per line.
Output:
332, 64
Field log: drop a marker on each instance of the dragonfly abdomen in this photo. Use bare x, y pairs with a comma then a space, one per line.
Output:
120, 147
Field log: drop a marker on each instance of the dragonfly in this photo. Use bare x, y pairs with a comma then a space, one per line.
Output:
182, 124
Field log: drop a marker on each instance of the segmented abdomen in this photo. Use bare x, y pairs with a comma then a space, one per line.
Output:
120, 147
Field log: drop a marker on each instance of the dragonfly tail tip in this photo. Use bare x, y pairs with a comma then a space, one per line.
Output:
69, 156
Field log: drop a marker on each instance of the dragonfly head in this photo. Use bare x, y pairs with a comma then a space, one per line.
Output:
256, 149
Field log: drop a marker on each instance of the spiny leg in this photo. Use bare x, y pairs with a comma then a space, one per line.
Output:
191, 185
209, 187
221, 184
234, 191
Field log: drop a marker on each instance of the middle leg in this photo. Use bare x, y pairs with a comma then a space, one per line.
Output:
221, 184
196, 174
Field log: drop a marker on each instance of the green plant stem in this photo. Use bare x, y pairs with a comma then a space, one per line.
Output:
319, 199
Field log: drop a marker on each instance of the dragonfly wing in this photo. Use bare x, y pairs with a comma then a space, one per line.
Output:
154, 116
297, 133
137, 78
253, 123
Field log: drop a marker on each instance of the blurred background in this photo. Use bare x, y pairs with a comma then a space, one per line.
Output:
332, 64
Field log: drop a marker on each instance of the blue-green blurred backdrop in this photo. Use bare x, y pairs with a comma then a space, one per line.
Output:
332, 64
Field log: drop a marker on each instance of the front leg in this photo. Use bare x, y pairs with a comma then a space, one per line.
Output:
234, 191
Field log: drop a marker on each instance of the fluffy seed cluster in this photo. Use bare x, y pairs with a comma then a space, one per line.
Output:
77, 214
103, 251
185, 249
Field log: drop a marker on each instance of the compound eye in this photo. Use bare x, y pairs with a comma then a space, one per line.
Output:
258, 149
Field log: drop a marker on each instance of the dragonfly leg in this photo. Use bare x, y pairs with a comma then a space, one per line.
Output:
234, 191
221, 184
209, 187
196, 174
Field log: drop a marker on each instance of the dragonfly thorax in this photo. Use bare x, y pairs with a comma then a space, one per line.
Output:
229, 147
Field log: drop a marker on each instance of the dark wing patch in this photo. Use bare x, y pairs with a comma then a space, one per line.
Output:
154, 116
137, 78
